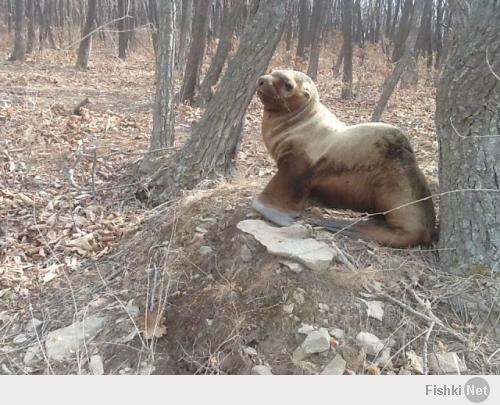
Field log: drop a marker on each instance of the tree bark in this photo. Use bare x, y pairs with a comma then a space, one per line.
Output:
346, 93
196, 50
404, 29
408, 55
230, 20
30, 13
186, 22
19, 51
304, 26
317, 22
210, 150
123, 34
86, 42
468, 128
163, 114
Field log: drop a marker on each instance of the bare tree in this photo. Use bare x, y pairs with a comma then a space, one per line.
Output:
19, 52
86, 41
163, 115
123, 34
468, 127
30, 13
409, 49
304, 24
210, 150
196, 50
317, 21
230, 20
186, 22
347, 49
404, 29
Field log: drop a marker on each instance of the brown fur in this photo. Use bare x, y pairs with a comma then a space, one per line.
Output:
367, 167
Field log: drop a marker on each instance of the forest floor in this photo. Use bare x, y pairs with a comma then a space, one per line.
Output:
76, 244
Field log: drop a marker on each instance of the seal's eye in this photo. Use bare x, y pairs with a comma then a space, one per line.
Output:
288, 86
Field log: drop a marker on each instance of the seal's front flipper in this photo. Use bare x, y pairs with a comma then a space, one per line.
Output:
272, 214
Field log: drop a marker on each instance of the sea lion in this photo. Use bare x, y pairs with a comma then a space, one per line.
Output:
367, 167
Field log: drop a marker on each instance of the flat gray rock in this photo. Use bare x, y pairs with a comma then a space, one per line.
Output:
65, 342
335, 367
96, 365
446, 363
261, 370
291, 242
370, 342
316, 341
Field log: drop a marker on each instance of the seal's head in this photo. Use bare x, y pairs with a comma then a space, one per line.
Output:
286, 91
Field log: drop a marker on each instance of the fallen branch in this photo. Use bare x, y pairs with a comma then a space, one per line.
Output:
428, 318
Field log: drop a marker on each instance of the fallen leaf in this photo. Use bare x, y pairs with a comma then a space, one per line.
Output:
154, 325
82, 242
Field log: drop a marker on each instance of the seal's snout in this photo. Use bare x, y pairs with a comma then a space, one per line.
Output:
263, 81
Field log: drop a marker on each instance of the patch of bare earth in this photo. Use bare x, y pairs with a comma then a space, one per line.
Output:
76, 242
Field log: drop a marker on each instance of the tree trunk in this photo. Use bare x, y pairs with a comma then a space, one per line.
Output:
163, 114
230, 20
123, 34
196, 50
317, 22
186, 22
153, 21
86, 41
19, 51
210, 150
30, 13
439, 33
347, 50
404, 28
407, 58
468, 128
304, 24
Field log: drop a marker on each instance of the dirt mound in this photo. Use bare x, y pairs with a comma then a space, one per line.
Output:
225, 305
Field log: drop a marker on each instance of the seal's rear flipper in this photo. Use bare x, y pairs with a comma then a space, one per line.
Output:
341, 226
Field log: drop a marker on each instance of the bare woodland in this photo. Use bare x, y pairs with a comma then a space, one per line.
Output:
131, 150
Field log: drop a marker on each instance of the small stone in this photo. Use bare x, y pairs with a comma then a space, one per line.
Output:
370, 342
375, 309
245, 253
337, 333
298, 296
305, 329
415, 362
323, 307
32, 355
20, 339
298, 355
292, 266
446, 363
288, 308
250, 351
335, 367
33, 324
64, 342
96, 365
317, 341
205, 250
201, 230
404, 371
384, 358
261, 370
133, 310
209, 322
